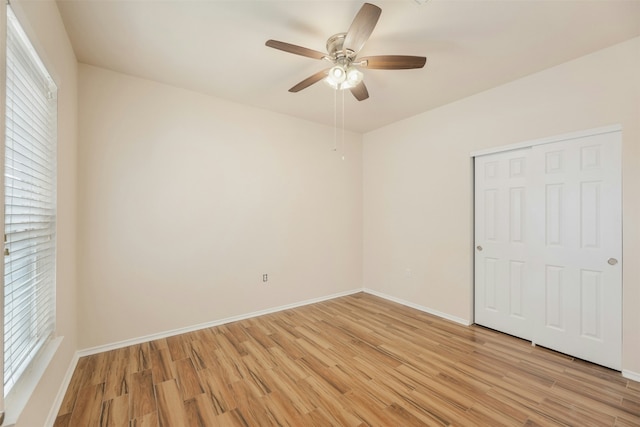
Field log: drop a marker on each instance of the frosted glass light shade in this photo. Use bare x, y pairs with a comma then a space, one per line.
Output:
354, 76
341, 77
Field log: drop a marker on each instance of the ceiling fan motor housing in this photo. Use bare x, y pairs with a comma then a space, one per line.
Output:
338, 54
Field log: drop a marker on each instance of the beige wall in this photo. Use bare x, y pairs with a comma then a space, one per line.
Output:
418, 178
186, 200
44, 26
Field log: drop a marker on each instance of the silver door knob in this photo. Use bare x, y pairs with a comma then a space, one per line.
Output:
612, 261
479, 248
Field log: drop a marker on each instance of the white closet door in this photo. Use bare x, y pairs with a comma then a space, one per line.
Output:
576, 247
502, 238
548, 235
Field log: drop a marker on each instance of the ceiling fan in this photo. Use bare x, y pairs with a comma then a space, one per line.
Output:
342, 52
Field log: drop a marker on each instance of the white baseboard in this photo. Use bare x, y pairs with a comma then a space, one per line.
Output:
456, 319
165, 334
55, 408
630, 375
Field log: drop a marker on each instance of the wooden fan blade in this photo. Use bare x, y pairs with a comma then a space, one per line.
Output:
362, 27
360, 92
393, 62
297, 50
309, 81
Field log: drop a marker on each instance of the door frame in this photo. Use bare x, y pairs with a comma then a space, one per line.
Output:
548, 140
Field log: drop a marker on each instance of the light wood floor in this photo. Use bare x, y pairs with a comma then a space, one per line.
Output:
352, 361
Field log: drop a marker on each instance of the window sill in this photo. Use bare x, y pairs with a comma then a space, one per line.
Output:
17, 399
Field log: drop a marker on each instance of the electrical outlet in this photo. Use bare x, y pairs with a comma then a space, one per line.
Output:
265, 277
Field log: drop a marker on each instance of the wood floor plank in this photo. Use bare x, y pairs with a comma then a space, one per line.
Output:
328, 402
78, 380
206, 336
97, 367
115, 412
614, 409
230, 366
366, 410
403, 417
148, 420
314, 336
117, 376
283, 411
627, 421
188, 380
568, 413
88, 406
171, 410
286, 364
317, 418
142, 399
201, 355
217, 390
233, 419
200, 413
319, 370
492, 406
286, 327
178, 347
140, 359
255, 376
278, 413
158, 344
259, 335
259, 354
233, 336
353, 361
288, 344
433, 407
248, 407
284, 386
319, 353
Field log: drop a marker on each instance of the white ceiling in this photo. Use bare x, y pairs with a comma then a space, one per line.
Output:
217, 47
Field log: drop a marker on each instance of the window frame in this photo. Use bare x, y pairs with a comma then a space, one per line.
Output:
46, 344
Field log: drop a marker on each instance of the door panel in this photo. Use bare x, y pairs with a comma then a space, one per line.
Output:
554, 294
590, 215
590, 304
554, 225
517, 290
501, 232
581, 294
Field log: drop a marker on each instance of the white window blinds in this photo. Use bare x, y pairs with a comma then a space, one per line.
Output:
30, 204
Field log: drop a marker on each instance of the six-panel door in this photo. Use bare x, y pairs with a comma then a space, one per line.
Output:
576, 253
502, 243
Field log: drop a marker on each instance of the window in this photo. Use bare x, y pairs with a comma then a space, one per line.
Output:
30, 204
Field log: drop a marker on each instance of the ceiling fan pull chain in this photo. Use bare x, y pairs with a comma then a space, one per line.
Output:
343, 123
335, 121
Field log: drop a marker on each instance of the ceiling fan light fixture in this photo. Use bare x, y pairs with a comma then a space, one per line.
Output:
337, 75
342, 77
